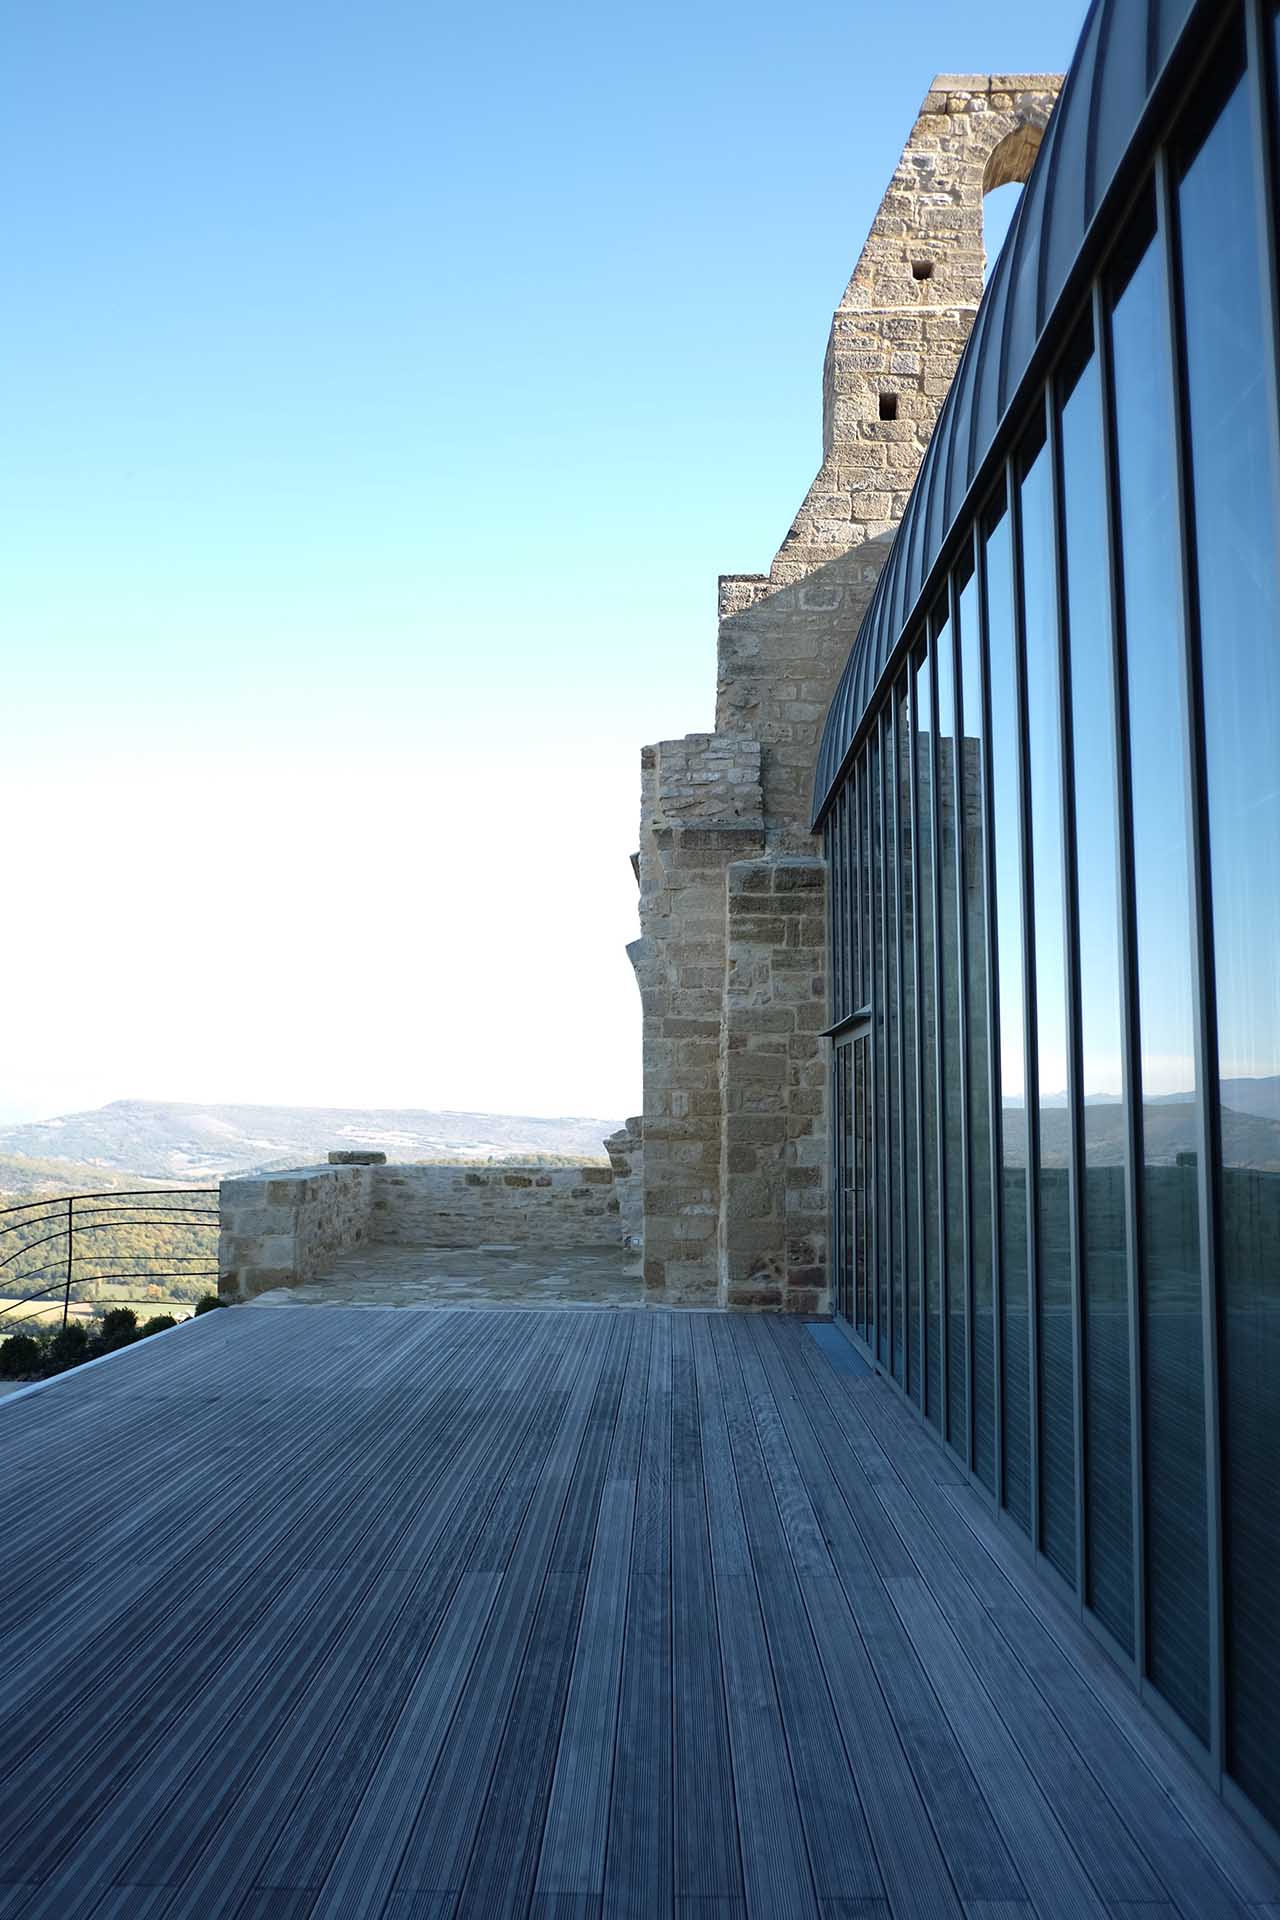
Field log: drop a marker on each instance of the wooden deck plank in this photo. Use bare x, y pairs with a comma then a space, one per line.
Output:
310, 1776
110, 1728
1120, 1821
571, 1858
179, 1777
638, 1859
1046, 1623
382, 1628
776, 1873
911, 1863
555, 1614
380, 1827
451, 1805
975, 1855
707, 1864
839, 1844
501, 1873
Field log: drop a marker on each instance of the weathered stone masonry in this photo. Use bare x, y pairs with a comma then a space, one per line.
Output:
731, 955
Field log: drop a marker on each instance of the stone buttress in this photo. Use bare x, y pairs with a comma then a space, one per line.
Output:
731, 955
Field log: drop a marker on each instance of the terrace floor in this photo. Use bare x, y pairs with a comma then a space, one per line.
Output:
436, 1613
493, 1276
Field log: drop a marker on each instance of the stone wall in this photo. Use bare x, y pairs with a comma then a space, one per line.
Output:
731, 956
281, 1228
625, 1149
453, 1206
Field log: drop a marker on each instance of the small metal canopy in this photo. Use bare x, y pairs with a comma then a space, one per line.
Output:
1124, 50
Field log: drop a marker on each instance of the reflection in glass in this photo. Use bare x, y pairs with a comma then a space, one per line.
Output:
928, 1040
893, 1024
1105, 1279
1053, 1241
947, 764
1233, 437
1007, 962
911, 1184
842, 1210
861, 1050
1173, 1385
835, 895
864, 1286
973, 850
880, 1051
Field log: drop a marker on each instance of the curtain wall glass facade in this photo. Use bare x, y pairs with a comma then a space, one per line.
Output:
1055, 953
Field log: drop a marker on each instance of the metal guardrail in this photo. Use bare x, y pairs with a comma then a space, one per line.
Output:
69, 1222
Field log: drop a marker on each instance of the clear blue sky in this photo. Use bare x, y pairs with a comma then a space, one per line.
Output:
384, 387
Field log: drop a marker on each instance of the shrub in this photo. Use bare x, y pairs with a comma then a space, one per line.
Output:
20, 1356
69, 1345
156, 1324
207, 1302
119, 1327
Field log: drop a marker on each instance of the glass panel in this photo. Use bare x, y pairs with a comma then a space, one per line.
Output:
1233, 435
928, 1040
911, 1182
1006, 868
835, 874
829, 844
851, 881
1173, 1385
1044, 765
847, 1212
861, 1176
864, 1295
975, 930
880, 1288
895, 1035
952, 1061
1108, 1418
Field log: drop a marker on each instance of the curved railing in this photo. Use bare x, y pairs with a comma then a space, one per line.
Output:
92, 1239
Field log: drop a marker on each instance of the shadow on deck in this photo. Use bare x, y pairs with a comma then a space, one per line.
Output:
454, 1614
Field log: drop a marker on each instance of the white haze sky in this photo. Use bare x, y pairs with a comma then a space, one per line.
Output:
384, 388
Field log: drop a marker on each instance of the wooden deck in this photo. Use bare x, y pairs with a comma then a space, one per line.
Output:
446, 1613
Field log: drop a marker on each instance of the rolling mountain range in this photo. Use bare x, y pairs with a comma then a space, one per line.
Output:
179, 1141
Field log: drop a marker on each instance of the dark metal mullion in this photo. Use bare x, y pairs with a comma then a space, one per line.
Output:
994, 1116
900, 1062
1208, 1154
1071, 924
958, 784
1030, 1078
935, 882
917, 1018
1131, 1038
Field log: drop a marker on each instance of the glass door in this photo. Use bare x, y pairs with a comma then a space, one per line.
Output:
854, 1294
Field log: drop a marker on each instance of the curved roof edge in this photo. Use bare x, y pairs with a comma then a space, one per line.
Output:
1124, 50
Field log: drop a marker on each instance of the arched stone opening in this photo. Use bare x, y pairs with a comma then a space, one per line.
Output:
1006, 171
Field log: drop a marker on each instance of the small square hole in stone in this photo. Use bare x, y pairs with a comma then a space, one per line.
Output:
888, 406
922, 269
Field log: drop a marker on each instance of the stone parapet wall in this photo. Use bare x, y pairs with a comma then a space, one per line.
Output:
456, 1206
280, 1229
625, 1149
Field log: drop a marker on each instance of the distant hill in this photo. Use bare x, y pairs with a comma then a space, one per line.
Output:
22, 1178
1250, 1128
171, 1140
